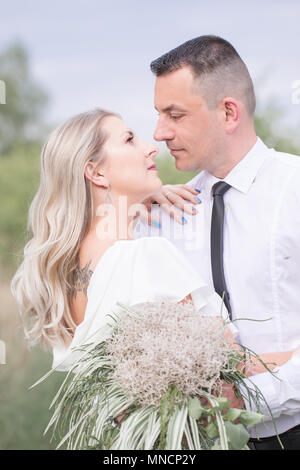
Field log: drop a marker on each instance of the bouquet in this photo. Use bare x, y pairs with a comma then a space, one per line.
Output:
152, 379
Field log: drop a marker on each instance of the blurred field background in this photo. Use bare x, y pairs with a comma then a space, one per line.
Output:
23, 413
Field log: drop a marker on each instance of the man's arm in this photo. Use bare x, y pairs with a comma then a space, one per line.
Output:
256, 372
280, 391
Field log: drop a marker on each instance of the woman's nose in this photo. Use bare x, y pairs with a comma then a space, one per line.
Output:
153, 151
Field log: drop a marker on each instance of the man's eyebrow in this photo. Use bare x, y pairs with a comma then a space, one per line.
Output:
172, 107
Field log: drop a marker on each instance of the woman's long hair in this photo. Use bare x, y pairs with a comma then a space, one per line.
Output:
59, 216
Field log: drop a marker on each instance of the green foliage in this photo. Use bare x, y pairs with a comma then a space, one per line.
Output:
195, 408
19, 180
267, 122
168, 172
166, 410
20, 117
25, 413
237, 435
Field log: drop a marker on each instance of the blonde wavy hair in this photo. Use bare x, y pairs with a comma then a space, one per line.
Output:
59, 216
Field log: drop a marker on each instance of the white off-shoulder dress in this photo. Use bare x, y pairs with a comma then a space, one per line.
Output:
147, 269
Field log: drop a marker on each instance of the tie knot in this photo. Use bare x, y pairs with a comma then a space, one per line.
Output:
220, 188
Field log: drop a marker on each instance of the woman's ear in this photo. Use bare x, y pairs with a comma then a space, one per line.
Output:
95, 175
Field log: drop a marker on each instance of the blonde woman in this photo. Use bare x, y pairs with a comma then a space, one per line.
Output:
82, 258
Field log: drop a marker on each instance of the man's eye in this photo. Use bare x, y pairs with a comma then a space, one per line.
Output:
176, 116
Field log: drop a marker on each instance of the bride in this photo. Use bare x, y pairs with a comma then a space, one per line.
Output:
82, 258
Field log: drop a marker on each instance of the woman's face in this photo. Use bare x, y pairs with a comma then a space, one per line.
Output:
129, 164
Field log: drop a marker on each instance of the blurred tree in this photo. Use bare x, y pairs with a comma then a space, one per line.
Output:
20, 116
19, 180
268, 126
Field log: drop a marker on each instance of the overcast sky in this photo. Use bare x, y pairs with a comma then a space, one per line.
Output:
89, 53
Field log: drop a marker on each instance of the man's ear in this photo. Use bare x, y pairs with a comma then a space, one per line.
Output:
231, 113
95, 175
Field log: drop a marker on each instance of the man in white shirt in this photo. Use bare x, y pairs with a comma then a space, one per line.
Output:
249, 231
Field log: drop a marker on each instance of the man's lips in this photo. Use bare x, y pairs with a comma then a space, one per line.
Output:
175, 150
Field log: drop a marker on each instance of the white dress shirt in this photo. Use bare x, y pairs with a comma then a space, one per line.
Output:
261, 265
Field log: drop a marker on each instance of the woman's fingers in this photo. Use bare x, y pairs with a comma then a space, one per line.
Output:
173, 198
184, 200
180, 194
143, 211
172, 209
152, 219
181, 186
181, 197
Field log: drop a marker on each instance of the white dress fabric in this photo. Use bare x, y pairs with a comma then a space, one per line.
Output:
133, 272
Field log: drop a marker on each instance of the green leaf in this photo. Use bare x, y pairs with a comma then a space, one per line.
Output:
195, 408
249, 418
237, 435
212, 430
222, 402
216, 446
233, 414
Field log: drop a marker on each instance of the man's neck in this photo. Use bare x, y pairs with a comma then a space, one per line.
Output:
236, 153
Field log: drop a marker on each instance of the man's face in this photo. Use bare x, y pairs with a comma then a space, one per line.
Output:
191, 131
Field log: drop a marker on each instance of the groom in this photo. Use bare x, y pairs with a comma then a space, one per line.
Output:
245, 238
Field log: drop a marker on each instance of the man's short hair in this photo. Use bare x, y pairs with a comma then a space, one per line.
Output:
218, 69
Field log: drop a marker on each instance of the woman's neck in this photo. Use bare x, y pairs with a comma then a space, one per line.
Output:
114, 221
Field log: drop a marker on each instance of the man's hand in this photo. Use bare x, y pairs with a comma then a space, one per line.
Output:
228, 392
171, 198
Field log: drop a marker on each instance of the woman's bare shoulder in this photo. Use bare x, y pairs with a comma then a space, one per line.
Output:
90, 253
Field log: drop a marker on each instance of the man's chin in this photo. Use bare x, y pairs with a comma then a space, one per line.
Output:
182, 165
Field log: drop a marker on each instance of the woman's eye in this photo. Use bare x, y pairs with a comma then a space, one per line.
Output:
130, 139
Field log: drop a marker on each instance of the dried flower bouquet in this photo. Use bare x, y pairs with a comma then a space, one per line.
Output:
153, 380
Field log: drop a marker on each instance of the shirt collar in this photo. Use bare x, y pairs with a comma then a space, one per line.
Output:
242, 176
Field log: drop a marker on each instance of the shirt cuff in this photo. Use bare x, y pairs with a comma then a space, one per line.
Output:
281, 389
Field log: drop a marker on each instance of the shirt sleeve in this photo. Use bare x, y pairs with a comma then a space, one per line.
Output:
280, 389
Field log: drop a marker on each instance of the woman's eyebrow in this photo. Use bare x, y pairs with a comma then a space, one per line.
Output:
127, 132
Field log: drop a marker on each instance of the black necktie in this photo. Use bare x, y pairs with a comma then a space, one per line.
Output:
216, 240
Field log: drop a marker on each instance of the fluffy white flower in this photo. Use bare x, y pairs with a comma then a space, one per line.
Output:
168, 343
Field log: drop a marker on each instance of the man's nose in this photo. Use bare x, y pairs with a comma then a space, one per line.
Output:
163, 132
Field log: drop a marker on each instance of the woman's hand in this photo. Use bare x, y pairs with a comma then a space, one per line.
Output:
171, 198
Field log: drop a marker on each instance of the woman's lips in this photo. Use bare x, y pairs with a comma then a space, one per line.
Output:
153, 167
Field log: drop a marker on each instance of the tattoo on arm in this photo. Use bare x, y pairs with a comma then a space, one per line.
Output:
80, 279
